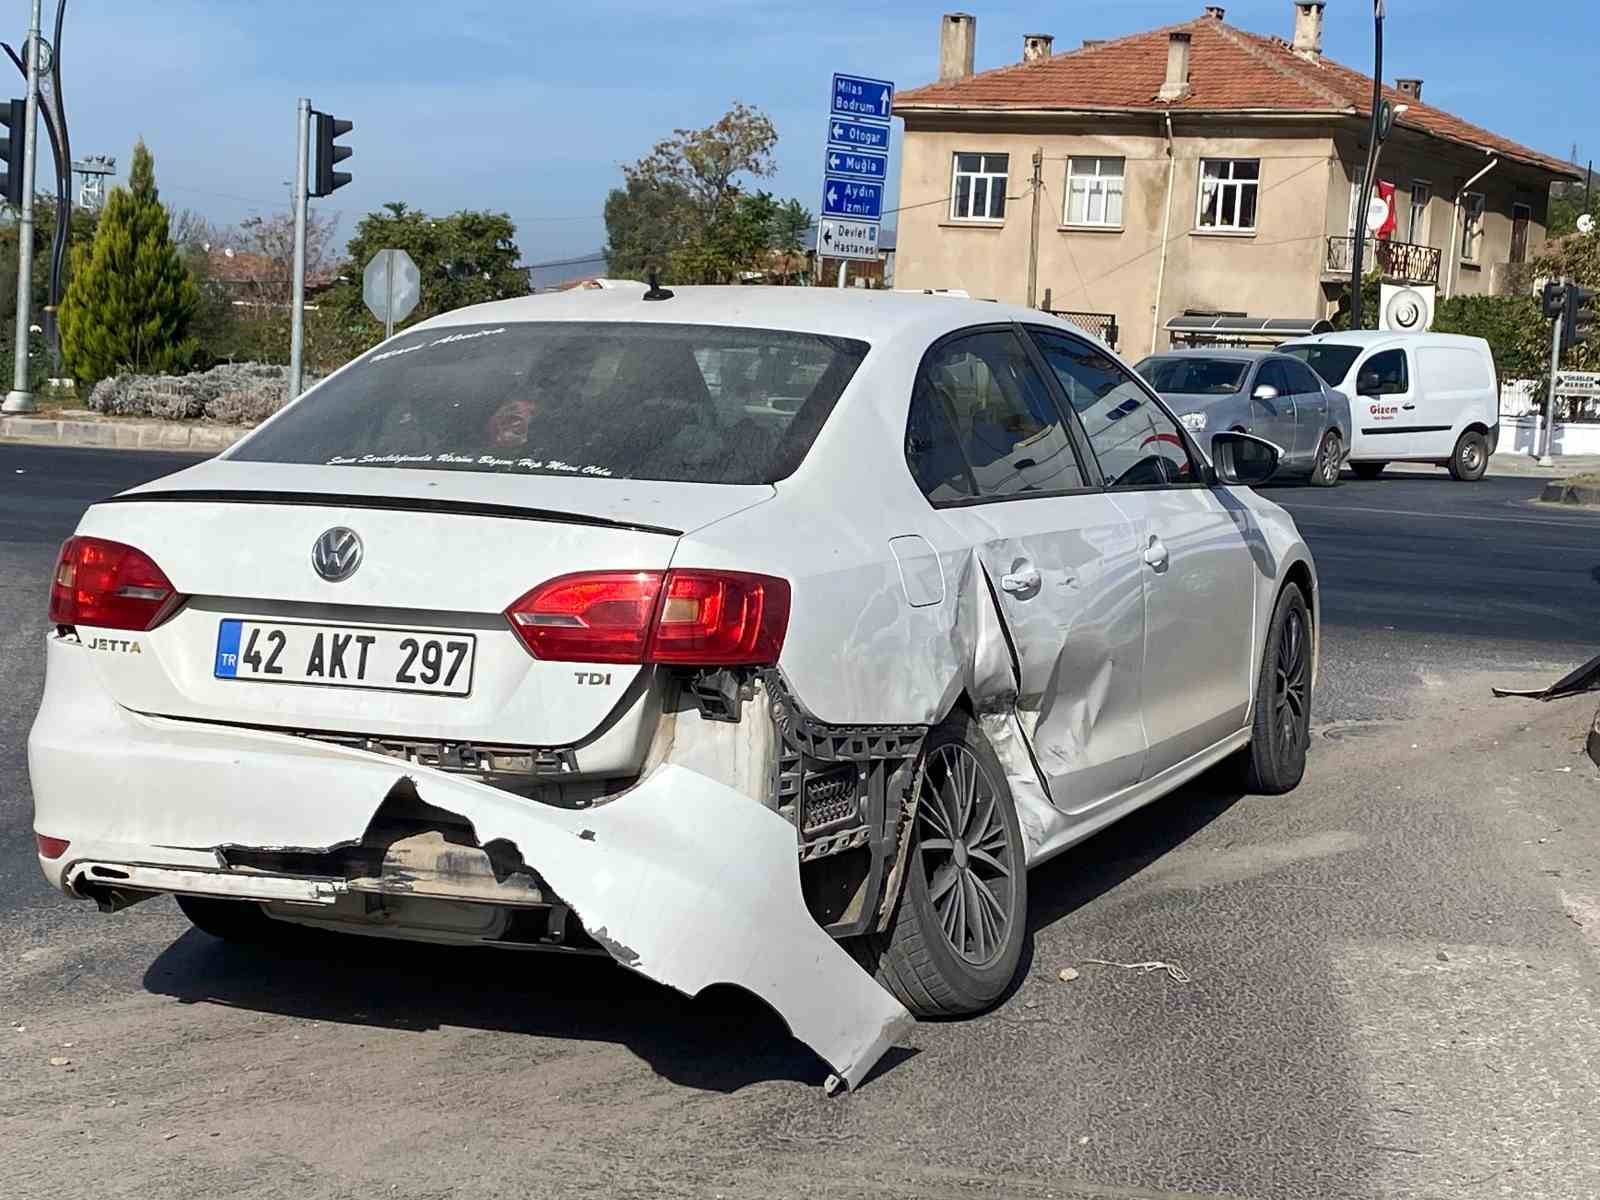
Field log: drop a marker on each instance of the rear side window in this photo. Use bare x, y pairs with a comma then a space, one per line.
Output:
1384, 375
695, 403
1329, 360
983, 423
1137, 443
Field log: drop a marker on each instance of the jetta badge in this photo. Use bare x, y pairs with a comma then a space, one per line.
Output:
337, 554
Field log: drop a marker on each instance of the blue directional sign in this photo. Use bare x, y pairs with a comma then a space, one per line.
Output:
849, 198
857, 165
858, 135
854, 96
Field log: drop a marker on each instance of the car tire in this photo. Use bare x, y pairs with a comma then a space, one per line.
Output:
932, 957
1368, 470
230, 920
1330, 458
1280, 735
1471, 457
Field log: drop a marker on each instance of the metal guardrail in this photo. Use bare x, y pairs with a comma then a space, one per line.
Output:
1404, 261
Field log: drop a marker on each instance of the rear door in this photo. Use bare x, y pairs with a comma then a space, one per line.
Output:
1310, 409
1198, 574
1457, 388
990, 449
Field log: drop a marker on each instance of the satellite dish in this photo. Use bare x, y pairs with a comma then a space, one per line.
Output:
1406, 312
1586, 223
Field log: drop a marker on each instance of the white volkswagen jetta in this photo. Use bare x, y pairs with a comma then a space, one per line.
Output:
747, 635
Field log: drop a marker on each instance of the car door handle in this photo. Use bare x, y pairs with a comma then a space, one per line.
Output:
1155, 554
1408, 407
1021, 582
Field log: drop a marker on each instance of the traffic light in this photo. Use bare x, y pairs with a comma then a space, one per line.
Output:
1578, 317
329, 152
15, 118
1555, 299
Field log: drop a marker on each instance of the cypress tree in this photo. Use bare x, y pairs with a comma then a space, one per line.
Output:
131, 298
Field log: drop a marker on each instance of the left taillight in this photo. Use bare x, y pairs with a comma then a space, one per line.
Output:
110, 585
51, 847
685, 617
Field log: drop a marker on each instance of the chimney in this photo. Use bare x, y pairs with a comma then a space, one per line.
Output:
1177, 85
1216, 12
1411, 89
1308, 28
1090, 43
1036, 46
958, 39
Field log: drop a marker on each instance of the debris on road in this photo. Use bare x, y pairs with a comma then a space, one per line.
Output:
1174, 972
1584, 679
1067, 974
60, 1061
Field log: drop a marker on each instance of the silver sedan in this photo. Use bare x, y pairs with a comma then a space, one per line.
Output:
1273, 396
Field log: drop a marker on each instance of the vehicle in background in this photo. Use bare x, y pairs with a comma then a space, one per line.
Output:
1415, 397
1262, 393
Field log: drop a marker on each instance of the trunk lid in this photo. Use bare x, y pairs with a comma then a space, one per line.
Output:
443, 553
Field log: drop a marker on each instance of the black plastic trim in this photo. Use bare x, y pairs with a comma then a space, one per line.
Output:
1379, 431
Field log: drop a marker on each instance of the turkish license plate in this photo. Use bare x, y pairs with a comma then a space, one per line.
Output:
362, 656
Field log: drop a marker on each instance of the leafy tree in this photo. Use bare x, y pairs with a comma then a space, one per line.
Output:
465, 258
1575, 257
684, 210
1514, 327
131, 298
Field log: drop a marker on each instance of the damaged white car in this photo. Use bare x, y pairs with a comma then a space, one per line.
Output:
748, 635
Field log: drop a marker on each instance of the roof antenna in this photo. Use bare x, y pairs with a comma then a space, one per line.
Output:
656, 292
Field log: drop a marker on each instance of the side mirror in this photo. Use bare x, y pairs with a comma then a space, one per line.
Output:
1243, 458
1264, 391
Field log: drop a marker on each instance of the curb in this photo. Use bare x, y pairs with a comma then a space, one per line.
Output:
119, 435
1559, 491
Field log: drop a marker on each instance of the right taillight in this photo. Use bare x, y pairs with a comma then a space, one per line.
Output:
687, 617
107, 584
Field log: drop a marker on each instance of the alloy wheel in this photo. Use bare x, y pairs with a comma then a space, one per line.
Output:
1328, 465
966, 856
1292, 673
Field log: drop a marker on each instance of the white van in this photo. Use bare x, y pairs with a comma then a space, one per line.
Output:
1414, 397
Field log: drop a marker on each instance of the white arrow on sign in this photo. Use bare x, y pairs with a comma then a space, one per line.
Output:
833, 162
833, 196
838, 130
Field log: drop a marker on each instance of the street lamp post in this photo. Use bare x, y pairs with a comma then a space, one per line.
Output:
1375, 134
20, 398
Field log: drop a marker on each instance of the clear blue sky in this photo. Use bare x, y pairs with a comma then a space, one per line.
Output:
530, 106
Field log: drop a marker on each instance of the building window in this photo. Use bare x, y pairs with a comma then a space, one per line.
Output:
1417, 226
1094, 191
1471, 226
1521, 218
1358, 176
1228, 192
978, 191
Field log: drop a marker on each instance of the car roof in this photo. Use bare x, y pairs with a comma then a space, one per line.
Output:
873, 316
1226, 353
1385, 337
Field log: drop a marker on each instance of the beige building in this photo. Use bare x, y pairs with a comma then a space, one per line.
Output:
1195, 169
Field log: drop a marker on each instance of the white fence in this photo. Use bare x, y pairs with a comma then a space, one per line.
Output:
1521, 403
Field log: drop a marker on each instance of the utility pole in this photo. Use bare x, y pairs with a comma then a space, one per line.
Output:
20, 399
1374, 136
1033, 237
844, 265
297, 303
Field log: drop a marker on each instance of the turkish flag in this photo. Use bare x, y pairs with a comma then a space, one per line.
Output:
1390, 220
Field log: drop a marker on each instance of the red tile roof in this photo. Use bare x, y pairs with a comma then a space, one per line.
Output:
1230, 71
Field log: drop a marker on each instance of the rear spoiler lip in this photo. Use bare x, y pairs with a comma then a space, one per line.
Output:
466, 508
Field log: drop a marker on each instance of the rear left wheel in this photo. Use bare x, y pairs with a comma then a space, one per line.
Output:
230, 920
1330, 457
957, 932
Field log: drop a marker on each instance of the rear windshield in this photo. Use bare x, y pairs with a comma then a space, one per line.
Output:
1327, 359
695, 403
1195, 376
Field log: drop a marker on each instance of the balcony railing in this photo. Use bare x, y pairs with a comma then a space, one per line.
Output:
1406, 262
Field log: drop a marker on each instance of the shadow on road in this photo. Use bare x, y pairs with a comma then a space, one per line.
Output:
721, 1041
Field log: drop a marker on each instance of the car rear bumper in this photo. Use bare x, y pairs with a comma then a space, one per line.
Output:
681, 878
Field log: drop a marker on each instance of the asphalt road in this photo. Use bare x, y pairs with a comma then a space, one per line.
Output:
1391, 975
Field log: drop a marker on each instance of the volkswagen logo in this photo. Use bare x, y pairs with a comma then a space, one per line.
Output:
336, 554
